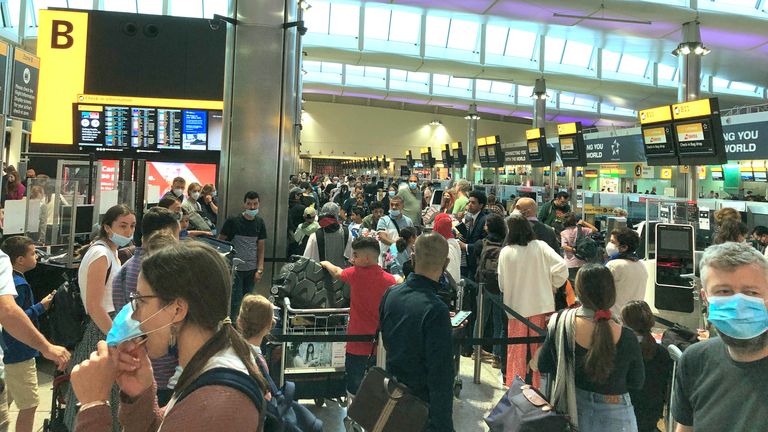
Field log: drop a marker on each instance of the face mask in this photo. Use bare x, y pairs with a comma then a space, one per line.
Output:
392, 193
251, 213
179, 215
516, 212
214, 194
738, 316
611, 249
394, 213
120, 240
195, 195
125, 328
640, 339
413, 185
178, 192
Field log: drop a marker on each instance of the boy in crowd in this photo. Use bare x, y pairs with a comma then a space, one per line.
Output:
20, 368
367, 282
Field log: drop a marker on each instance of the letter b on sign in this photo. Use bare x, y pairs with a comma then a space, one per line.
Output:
61, 37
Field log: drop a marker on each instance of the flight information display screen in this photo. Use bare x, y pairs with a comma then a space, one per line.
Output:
658, 140
534, 151
169, 129
195, 126
117, 121
695, 137
143, 127
90, 128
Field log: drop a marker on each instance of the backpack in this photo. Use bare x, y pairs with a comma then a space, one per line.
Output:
320, 236
488, 267
586, 249
67, 316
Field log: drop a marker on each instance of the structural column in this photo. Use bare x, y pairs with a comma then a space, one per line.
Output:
689, 54
472, 118
539, 121
261, 116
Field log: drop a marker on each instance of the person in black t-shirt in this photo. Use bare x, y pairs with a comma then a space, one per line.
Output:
247, 233
721, 384
648, 402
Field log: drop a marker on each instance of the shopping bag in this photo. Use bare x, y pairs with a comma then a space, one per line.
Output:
524, 409
384, 405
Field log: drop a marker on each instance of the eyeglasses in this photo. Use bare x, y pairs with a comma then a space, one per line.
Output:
134, 298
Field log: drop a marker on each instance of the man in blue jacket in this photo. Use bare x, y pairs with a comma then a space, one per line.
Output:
416, 331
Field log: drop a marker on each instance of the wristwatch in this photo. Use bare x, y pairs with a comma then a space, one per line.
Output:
260, 271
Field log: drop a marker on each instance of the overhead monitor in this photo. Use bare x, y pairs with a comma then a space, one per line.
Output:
539, 153
717, 175
457, 151
195, 130
657, 132
489, 151
698, 132
160, 176
426, 157
446, 155
571, 138
409, 159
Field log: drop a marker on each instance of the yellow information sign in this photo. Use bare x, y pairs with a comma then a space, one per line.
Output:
566, 129
456, 145
655, 115
699, 108
666, 173
531, 134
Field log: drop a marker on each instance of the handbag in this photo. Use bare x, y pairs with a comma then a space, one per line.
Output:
524, 409
384, 405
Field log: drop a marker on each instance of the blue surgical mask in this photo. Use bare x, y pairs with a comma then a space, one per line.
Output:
392, 193
394, 213
738, 316
251, 213
413, 185
120, 240
125, 328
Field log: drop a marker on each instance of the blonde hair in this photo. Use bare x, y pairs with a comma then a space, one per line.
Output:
726, 213
256, 314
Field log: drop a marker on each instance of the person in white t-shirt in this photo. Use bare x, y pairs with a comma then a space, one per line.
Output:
629, 273
98, 267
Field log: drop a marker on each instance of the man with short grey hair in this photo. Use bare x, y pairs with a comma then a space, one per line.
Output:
416, 330
722, 383
527, 208
332, 241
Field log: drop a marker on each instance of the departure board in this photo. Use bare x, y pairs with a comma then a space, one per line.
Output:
169, 123
90, 127
143, 127
117, 120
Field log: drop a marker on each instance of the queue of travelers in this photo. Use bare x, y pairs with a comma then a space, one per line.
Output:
155, 341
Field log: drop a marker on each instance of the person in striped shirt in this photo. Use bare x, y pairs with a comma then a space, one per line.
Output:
156, 220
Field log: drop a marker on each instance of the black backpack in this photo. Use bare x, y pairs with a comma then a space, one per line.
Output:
320, 236
67, 316
488, 267
586, 249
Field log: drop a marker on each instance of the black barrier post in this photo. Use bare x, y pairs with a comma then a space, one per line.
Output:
479, 329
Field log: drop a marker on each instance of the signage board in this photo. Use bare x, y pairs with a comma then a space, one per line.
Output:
571, 140
24, 80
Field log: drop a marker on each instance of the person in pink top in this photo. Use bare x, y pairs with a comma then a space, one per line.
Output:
368, 282
14, 189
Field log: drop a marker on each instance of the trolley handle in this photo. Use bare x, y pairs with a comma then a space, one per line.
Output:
674, 352
288, 308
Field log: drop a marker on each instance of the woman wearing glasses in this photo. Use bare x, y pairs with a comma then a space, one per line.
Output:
188, 311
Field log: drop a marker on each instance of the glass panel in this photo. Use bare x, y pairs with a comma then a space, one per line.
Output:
495, 39
610, 60
14, 10
397, 74
483, 86
405, 27
81, 4
554, 49
120, 6
375, 72
666, 72
187, 8
524, 95
316, 18
213, 7
437, 31
741, 86
45, 4
377, 23
332, 67
742, 3
462, 83
577, 54
154, 7
353, 70
566, 98
463, 35
419, 77
499, 87
345, 20
632, 65
521, 43
311, 66
720, 83
441, 80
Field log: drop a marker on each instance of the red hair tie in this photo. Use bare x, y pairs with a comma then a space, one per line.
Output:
603, 315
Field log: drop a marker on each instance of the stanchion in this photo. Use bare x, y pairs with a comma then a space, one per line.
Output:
479, 330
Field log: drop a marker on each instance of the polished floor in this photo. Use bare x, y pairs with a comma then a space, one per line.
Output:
474, 402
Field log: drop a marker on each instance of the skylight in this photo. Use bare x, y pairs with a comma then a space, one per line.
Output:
577, 54
632, 65
345, 19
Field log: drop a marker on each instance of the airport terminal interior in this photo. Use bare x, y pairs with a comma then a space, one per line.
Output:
361, 166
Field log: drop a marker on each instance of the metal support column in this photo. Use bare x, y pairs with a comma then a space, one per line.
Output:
689, 54
472, 118
539, 120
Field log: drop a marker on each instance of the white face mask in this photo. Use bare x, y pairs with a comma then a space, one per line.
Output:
516, 212
611, 249
195, 195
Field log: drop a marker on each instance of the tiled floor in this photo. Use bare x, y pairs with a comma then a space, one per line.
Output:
475, 401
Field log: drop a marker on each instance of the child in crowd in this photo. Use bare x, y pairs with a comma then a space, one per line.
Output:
648, 402
184, 224
20, 368
368, 282
255, 321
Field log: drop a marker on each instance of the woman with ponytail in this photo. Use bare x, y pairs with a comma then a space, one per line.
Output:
188, 312
593, 386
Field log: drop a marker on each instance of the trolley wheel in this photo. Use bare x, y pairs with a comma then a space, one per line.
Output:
319, 402
457, 386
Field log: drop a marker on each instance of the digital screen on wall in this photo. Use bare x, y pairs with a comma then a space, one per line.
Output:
717, 175
160, 176
694, 137
760, 176
747, 175
169, 129
195, 127
215, 123
658, 140
534, 151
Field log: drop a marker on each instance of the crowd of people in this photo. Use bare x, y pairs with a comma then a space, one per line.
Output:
160, 334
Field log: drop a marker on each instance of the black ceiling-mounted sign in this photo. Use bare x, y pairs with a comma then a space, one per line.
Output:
491, 154
24, 80
426, 157
457, 152
516, 156
409, 159
540, 154
447, 156
656, 128
571, 138
698, 132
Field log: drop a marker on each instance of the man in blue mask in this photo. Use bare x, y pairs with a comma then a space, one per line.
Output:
411, 196
722, 383
247, 233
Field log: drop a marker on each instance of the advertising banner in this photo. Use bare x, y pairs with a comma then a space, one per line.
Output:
746, 141
627, 148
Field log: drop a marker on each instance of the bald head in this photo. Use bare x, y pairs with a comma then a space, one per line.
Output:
527, 207
431, 252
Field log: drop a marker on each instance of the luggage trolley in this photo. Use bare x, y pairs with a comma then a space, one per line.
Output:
317, 368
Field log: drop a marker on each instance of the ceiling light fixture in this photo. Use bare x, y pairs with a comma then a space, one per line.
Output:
472, 114
435, 123
304, 4
593, 18
687, 48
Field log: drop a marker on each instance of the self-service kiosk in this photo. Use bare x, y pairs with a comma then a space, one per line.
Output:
675, 268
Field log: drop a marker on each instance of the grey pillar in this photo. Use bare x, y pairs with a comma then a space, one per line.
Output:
539, 121
261, 116
689, 54
472, 118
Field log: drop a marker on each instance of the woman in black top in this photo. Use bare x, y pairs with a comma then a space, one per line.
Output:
608, 362
649, 400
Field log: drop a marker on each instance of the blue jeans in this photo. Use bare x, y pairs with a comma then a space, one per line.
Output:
355, 367
494, 312
597, 415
